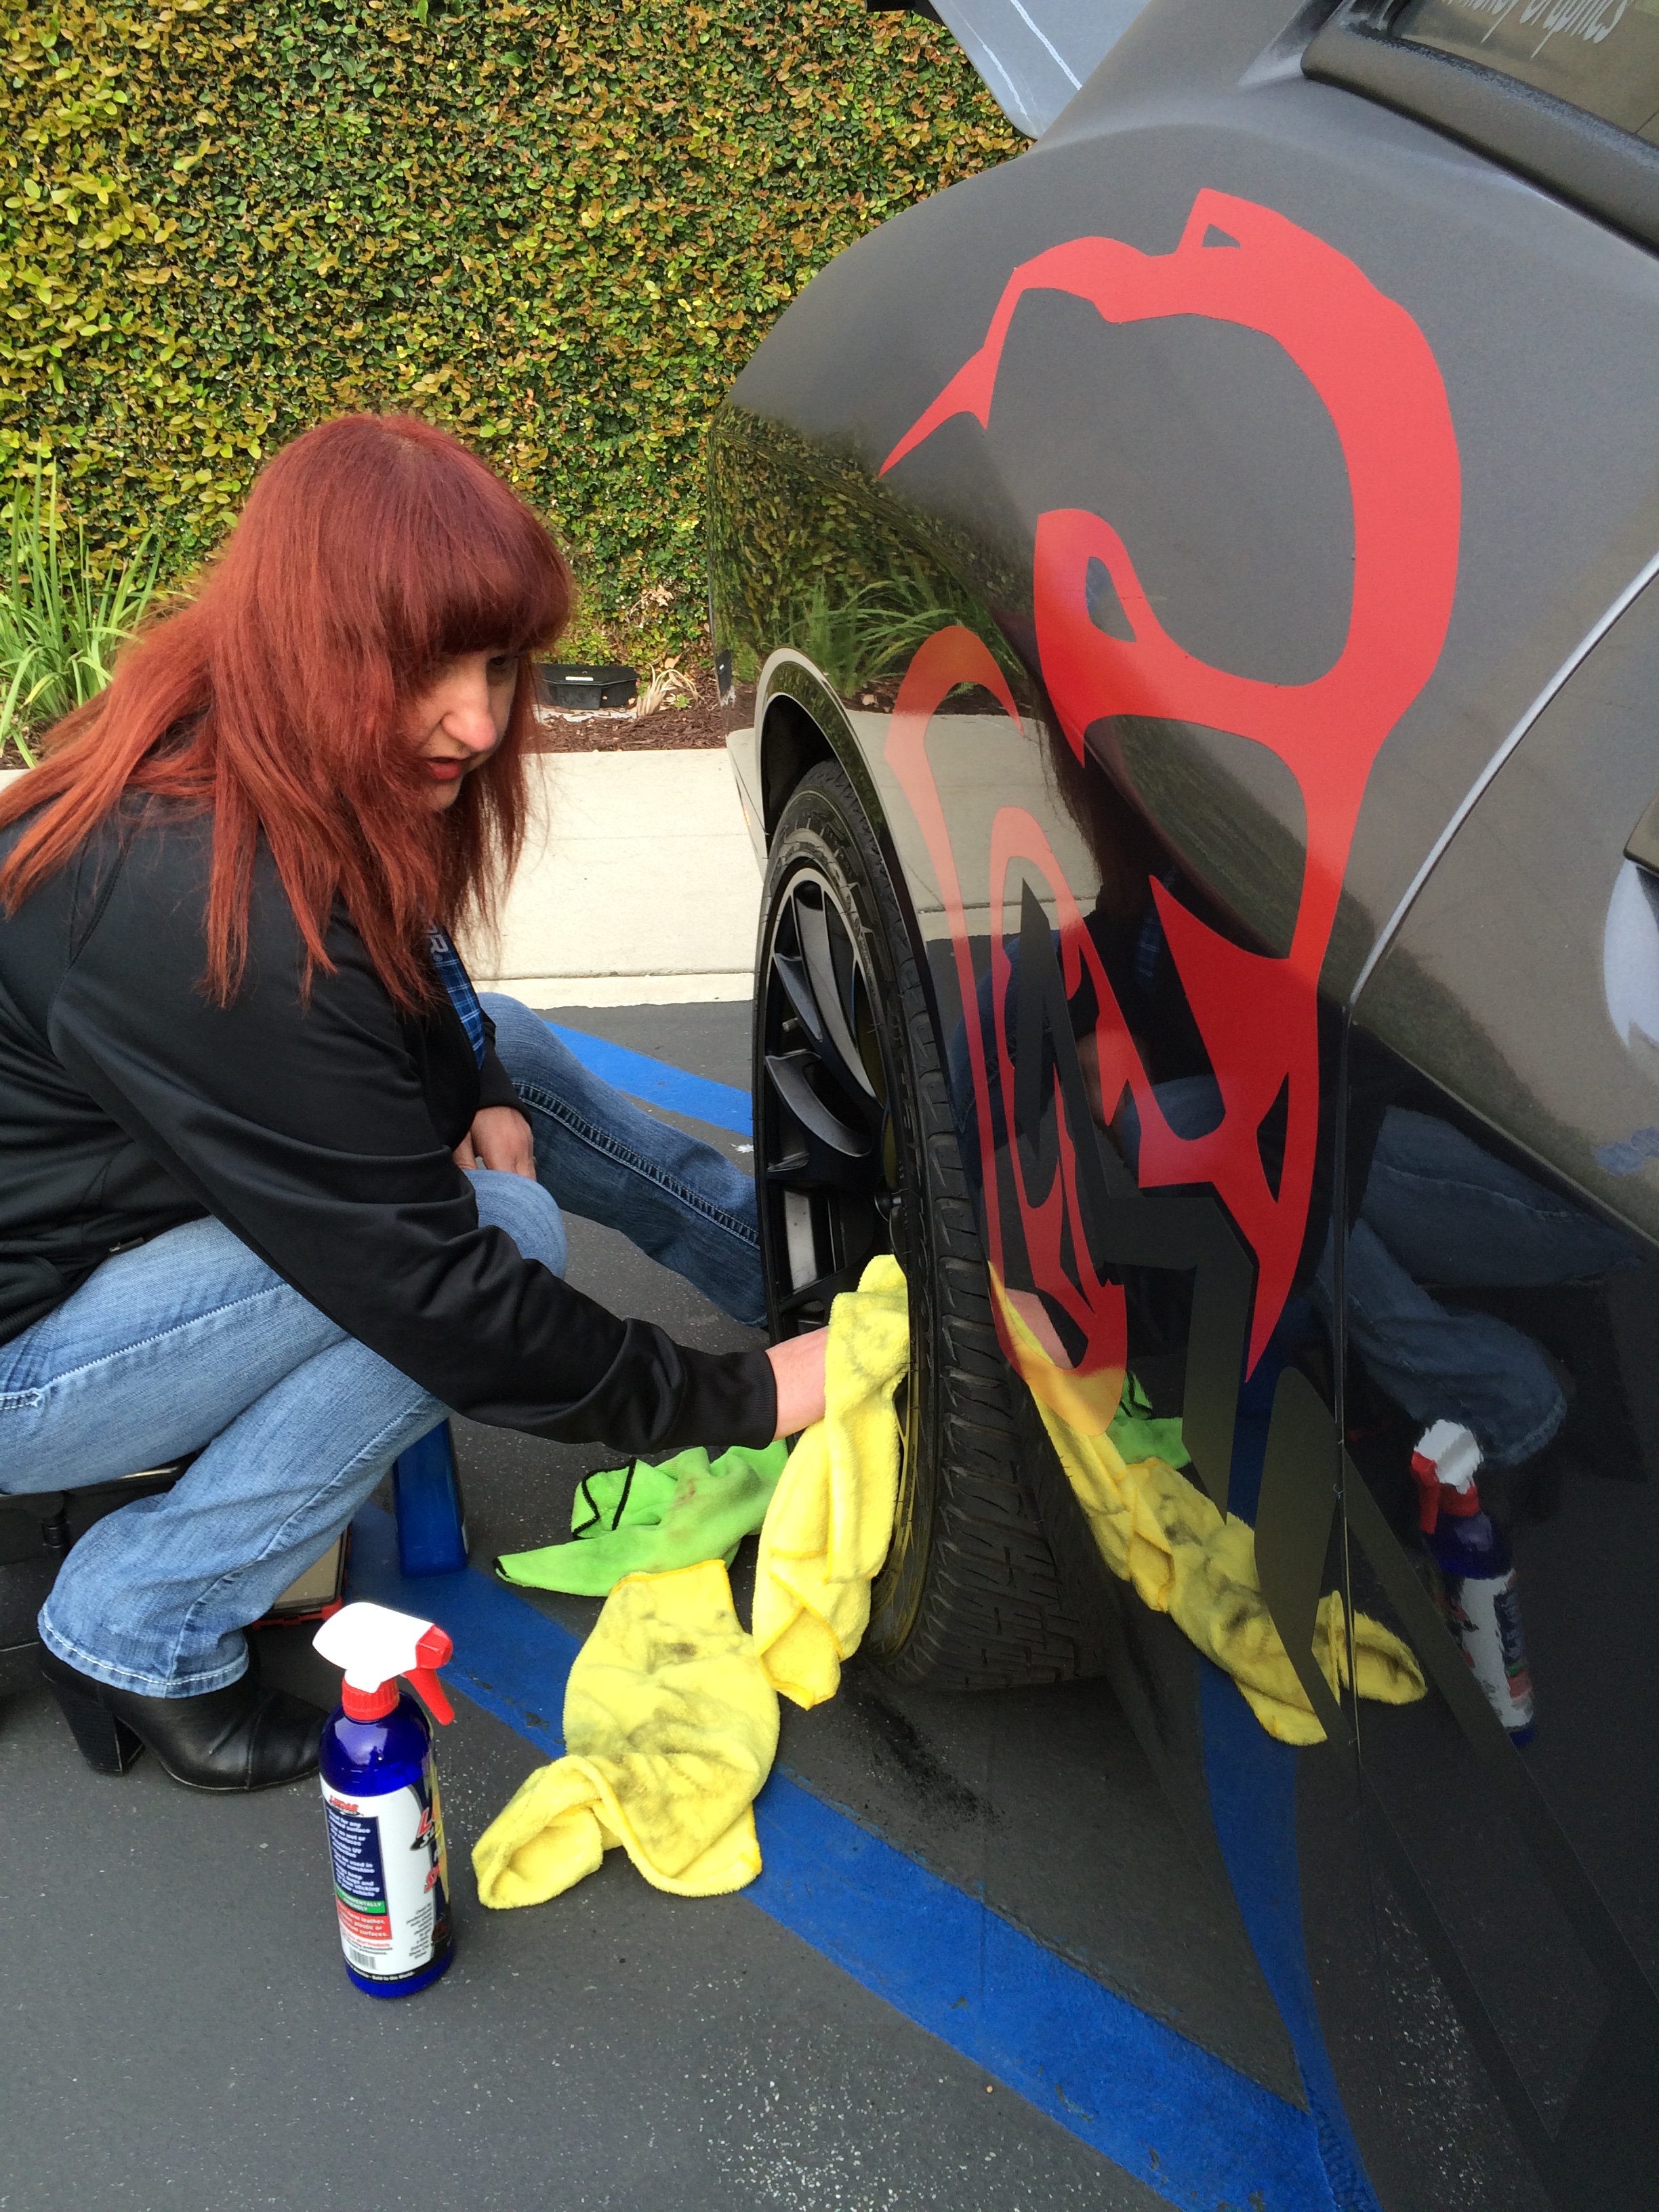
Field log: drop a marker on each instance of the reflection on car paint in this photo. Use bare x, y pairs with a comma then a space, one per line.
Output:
1257, 1016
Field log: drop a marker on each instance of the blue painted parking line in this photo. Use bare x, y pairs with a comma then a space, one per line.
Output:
1195, 2130
1191, 2127
720, 1105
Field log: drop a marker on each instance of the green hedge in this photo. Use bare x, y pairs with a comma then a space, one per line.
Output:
560, 228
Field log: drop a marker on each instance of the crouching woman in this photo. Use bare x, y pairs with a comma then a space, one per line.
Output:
276, 1187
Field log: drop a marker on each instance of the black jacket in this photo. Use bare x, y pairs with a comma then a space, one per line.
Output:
320, 1135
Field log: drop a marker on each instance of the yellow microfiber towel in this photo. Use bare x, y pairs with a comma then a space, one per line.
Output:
1159, 1532
670, 1713
671, 1727
831, 1521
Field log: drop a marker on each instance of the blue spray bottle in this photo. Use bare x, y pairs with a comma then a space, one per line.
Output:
1482, 1604
385, 1826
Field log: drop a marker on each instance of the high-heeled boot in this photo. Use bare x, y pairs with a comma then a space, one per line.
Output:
245, 1736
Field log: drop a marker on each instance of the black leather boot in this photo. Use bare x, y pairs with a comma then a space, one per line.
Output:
245, 1736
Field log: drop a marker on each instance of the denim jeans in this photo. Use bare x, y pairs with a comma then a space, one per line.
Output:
1439, 1209
190, 1343
601, 1156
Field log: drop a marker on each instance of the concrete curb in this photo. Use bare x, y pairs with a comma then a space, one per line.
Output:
629, 990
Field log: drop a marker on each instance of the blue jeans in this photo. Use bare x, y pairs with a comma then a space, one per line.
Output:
601, 1156
1439, 1209
190, 1343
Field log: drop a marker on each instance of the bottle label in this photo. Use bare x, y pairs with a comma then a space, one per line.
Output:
391, 1877
1486, 1621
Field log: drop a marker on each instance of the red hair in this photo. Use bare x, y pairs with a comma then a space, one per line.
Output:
370, 550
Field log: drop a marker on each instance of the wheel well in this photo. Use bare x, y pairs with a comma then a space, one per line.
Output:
791, 743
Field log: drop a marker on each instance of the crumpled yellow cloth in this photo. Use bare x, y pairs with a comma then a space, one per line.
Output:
671, 1712
831, 1521
1160, 1533
671, 1727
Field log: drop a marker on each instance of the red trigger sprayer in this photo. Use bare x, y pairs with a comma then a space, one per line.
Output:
386, 1829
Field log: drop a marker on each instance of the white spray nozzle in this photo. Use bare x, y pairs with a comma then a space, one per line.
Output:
1447, 1457
1451, 1451
374, 1645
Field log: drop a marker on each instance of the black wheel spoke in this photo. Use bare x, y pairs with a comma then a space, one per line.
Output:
813, 925
828, 1163
792, 974
788, 1073
849, 1076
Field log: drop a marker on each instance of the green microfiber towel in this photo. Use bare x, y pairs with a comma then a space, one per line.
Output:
1139, 1435
643, 1520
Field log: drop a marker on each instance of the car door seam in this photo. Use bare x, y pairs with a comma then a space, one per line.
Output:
1563, 675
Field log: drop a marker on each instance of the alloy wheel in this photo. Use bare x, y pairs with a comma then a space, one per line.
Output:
830, 1150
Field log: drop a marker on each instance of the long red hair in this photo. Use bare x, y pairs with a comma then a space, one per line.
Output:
370, 550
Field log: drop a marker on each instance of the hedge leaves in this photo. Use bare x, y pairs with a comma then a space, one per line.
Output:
560, 228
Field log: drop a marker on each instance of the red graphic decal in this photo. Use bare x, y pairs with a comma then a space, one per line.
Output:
1372, 368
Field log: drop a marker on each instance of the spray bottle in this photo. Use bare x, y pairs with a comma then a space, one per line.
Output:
1482, 1604
385, 1828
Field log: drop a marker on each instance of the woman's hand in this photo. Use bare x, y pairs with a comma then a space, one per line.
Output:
499, 1137
798, 1370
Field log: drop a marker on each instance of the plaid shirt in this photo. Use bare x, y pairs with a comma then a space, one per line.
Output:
455, 980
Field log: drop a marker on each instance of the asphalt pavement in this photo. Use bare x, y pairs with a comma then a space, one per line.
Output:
982, 1971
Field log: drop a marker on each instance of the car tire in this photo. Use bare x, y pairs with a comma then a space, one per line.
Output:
857, 1153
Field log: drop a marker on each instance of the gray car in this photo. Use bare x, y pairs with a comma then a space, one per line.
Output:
1200, 582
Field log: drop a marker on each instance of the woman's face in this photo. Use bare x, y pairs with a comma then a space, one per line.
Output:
458, 721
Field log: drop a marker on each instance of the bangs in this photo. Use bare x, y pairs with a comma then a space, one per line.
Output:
491, 580
424, 553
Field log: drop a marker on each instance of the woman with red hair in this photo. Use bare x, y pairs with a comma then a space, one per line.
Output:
276, 1187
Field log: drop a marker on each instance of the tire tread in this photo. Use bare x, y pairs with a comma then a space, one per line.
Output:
996, 1610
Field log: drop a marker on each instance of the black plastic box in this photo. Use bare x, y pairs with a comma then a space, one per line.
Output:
573, 685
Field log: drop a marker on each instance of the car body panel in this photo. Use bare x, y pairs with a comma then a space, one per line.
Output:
1034, 58
1202, 532
1509, 1009
1562, 511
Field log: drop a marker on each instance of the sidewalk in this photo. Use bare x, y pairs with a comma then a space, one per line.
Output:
638, 886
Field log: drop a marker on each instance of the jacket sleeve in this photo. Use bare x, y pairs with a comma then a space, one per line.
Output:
305, 1128
494, 1084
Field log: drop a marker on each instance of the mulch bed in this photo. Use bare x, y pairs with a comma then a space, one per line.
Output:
702, 725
